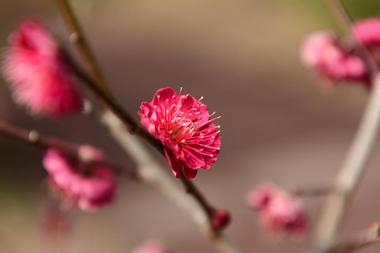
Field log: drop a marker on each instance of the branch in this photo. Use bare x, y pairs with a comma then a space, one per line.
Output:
351, 173
355, 164
346, 23
116, 109
361, 240
77, 37
38, 140
119, 112
151, 172
33, 137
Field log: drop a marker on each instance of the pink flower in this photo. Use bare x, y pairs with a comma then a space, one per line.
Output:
278, 210
38, 73
326, 54
315, 45
368, 31
150, 247
260, 197
89, 186
187, 131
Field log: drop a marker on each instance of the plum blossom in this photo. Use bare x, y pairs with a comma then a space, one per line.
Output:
37, 72
89, 186
186, 129
326, 54
279, 211
368, 31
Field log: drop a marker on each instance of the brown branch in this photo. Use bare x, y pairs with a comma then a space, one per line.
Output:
117, 110
33, 137
77, 37
192, 190
38, 140
107, 98
361, 240
355, 164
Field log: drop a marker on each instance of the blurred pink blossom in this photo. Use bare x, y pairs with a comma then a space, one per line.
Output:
325, 53
89, 186
184, 126
37, 72
368, 31
261, 196
150, 247
279, 211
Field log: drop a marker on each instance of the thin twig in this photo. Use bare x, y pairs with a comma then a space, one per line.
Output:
209, 210
38, 140
107, 98
355, 163
77, 37
35, 138
359, 241
117, 110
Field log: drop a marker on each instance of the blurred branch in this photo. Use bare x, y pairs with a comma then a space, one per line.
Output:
341, 13
107, 98
77, 37
33, 137
99, 87
355, 164
365, 238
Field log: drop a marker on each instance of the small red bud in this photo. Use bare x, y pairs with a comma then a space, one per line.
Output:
221, 219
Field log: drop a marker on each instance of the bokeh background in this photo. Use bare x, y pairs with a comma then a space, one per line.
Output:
279, 123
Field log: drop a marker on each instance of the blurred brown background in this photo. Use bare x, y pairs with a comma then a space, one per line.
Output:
243, 57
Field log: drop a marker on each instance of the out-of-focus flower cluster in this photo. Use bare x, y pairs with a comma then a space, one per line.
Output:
278, 210
38, 73
88, 184
339, 60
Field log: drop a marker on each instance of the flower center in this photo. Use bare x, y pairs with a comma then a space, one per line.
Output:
180, 128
